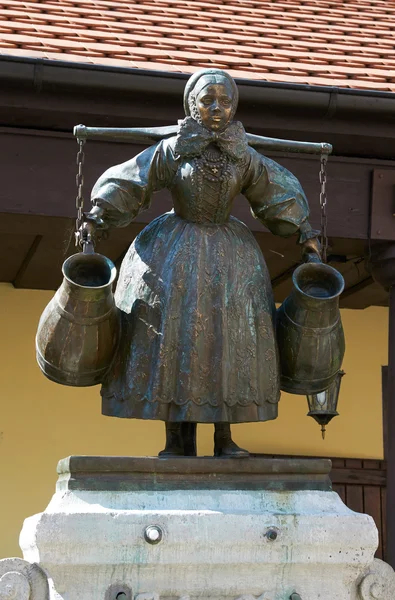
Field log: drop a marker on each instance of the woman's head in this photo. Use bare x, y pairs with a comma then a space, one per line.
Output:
211, 98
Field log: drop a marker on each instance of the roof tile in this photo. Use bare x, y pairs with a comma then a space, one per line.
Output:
347, 43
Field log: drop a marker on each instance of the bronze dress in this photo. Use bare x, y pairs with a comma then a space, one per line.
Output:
198, 317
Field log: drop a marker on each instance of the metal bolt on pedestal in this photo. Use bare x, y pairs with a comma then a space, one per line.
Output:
271, 534
153, 534
118, 591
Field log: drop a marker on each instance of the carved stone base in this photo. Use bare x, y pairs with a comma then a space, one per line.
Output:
378, 582
201, 529
22, 580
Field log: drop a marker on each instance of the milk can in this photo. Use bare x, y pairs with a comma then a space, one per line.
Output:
78, 331
309, 330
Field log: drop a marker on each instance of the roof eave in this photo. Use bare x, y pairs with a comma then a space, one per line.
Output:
39, 72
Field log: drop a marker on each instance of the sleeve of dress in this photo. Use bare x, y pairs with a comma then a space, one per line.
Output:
277, 198
125, 190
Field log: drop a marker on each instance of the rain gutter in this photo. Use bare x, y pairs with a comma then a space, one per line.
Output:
325, 101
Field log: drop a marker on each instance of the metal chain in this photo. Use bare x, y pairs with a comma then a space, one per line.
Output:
323, 203
79, 201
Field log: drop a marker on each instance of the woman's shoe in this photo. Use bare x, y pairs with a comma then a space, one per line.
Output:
180, 440
224, 446
174, 441
188, 434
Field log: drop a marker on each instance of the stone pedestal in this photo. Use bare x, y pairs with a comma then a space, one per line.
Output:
123, 528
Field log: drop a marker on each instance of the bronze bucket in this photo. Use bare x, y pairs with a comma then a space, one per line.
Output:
309, 330
78, 331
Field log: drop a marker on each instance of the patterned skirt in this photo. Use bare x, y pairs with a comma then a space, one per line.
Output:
198, 340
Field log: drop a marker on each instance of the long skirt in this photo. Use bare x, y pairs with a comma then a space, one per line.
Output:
197, 316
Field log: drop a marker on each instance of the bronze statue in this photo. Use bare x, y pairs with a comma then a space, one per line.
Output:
197, 337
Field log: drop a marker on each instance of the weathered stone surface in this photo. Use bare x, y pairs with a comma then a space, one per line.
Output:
218, 541
378, 583
21, 580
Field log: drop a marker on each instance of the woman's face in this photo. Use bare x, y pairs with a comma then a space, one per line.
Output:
214, 103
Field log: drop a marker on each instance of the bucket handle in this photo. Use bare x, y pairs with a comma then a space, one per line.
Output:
312, 257
88, 247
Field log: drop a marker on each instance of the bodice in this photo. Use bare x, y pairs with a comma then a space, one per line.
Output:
204, 187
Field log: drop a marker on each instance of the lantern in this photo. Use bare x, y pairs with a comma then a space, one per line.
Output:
323, 406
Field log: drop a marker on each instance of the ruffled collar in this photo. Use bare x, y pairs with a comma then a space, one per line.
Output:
193, 138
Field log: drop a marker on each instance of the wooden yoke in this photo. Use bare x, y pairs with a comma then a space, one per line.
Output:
151, 135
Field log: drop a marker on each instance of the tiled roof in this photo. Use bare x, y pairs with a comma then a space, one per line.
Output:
345, 43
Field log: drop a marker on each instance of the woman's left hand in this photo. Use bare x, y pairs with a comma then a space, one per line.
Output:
311, 250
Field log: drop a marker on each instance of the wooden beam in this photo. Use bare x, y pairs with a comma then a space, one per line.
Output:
382, 205
283, 276
13, 223
363, 294
27, 260
17, 232
359, 476
357, 287
391, 434
47, 188
13, 249
384, 386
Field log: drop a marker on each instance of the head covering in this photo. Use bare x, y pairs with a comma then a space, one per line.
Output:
198, 81
193, 138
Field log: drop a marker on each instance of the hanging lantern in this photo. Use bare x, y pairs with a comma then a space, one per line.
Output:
324, 404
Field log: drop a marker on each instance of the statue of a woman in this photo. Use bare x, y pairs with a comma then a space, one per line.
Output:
197, 312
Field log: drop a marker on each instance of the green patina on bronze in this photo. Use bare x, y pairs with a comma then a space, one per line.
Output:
197, 341
123, 474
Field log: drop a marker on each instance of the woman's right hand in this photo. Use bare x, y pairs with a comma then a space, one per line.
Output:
87, 232
93, 226
311, 250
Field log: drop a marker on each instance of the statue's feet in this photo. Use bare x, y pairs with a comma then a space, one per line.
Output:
188, 434
180, 440
230, 450
224, 446
170, 453
174, 442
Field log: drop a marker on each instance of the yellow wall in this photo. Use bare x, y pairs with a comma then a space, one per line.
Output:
41, 422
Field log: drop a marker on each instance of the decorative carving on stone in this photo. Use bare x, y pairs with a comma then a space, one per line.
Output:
264, 596
21, 580
14, 585
155, 596
378, 582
